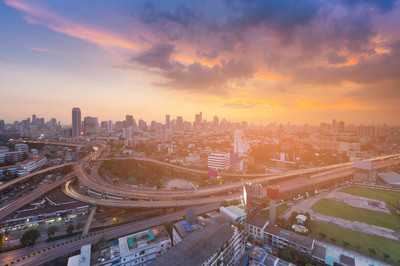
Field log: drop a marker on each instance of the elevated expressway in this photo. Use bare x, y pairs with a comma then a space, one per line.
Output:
26, 177
122, 196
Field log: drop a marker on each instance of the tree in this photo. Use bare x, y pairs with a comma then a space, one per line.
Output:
358, 248
2, 238
29, 237
333, 240
101, 219
371, 251
386, 256
323, 235
346, 244
52, 230
70, 229
168, 227
102, 241
79, 226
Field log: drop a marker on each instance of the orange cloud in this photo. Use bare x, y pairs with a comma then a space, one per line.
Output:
271, 76
99, 37
345, 104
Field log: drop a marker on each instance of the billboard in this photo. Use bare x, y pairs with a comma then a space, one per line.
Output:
364, 165
273, 192
212, 172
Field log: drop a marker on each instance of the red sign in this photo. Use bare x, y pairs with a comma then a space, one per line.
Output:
273, 193
212, 172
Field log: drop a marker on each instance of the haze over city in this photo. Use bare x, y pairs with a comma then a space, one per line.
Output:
304, 62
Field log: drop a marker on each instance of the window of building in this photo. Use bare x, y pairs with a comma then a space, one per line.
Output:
141, 252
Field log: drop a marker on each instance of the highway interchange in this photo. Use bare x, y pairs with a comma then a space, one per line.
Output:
133, 198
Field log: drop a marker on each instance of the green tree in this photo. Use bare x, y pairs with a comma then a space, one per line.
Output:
168, 227
70, 229
2, 239
29, 237
102, 220
102, 241
323, 235
52, 230
79, 226
371, 251
346, 244
386, 256
333, 240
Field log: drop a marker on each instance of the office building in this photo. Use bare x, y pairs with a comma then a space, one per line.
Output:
135, 249
76, 122
179, 123
167, 121
219, 161
240, 144
216, 121
217, 243
128, 120
109, 126
91, 125
22, 147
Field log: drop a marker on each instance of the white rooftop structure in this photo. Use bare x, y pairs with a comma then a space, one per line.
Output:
82, 259
240, 144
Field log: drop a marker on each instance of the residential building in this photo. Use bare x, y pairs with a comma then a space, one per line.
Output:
219, 242
219, 161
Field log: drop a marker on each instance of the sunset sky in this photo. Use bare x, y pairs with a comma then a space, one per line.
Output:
261, 61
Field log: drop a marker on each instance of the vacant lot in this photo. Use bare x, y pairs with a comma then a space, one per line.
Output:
383, 195
358, 241
342, 210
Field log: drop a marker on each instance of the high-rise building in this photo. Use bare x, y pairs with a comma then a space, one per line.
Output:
91, 125
198, 119
240, 144
128, 120
2, 126
179, 123
76, 122
216, 121
341, 126
110, 126
167, 121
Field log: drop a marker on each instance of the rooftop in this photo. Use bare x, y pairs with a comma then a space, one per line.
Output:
142, 239
392, 178
258, 221
199, 245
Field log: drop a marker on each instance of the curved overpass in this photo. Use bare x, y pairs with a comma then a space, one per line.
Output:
70, 191
25, 177
125, 192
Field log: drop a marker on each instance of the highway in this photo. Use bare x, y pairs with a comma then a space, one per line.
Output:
165, 195
25, 177
19, 203
62, 250
71, 192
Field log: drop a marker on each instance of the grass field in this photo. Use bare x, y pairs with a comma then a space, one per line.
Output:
358, 241
378, 194
342, 210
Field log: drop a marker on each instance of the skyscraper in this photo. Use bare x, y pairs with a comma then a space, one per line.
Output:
91, 125
128, 121
76, 122
167, 121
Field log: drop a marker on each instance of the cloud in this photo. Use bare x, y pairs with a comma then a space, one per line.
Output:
100, 37
195, 77
334, 58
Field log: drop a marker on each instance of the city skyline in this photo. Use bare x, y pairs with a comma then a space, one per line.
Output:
238, 60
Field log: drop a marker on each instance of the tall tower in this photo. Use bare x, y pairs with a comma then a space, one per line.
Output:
167, 121
76, 121
240, 144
